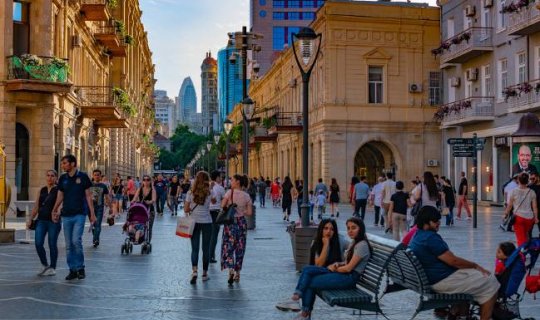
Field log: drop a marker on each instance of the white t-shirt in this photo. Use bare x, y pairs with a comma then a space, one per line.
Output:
377, 194
218, 192
389, 187
199, 212
508, 189
522, 204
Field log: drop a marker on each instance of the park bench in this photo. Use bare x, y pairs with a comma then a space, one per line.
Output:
406, 272
368, 291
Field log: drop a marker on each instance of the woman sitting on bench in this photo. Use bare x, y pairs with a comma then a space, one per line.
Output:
338, 275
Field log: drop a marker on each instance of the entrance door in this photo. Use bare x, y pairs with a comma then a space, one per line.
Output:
22, 161
372, 160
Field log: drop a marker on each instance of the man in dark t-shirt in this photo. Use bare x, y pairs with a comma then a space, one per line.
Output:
99, 191
75, 196
161, 194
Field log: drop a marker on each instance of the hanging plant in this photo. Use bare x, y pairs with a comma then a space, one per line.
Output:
456, 40
112, 3
509, 92
509, 8
524, 87
269, 122
128, 39
31, 60
537, 88
465, 36
445, 45
120, 27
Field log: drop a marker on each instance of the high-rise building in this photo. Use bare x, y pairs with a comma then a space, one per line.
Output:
276, 20
229, 83
186, 102
209, 94
165, 112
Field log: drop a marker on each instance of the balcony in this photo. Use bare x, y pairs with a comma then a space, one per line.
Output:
111, 38
286, 123
466, 45
261, 135
466, 111
102, 105
526, 21
95, 10
37, 74
523, 97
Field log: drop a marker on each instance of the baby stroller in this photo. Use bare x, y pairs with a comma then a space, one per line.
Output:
137, 214
520, 263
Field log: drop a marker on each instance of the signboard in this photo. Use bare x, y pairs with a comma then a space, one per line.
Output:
466, 141
464, 147
525, 157
462, 154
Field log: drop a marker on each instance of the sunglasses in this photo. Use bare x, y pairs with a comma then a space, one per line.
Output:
146, 179
51, 175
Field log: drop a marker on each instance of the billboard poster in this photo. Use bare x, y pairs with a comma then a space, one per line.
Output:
525, 157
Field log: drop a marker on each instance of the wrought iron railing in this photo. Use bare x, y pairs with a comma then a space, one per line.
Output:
475, 37
524, 94
523, 18
90, 96
33, 67
465, 108
284, 119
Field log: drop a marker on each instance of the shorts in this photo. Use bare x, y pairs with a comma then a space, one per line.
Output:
470, 281
139, 227
118, 197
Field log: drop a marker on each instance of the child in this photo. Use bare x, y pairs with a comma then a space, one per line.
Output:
321, 203
312, 201
135, 229
504, 250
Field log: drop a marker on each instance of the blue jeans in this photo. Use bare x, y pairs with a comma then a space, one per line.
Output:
44, 227
450, 216
206, 230
320, 278
160, 201
262, 197
73, 231
97, 225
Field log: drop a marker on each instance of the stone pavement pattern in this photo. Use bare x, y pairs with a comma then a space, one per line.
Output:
156, 286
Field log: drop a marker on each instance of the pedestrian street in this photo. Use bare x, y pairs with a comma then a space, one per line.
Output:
156, 286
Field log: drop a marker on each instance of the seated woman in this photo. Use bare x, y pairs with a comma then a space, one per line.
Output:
326, 248
338, 275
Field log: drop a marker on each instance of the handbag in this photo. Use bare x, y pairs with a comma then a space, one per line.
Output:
417, 205
532, 284
185, 226
226, 216
32, 225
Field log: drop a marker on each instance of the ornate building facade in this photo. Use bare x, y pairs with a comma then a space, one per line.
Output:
77, 78
209, 104
372, 95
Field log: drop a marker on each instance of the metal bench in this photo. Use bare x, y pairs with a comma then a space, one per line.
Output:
367, 293
406, 272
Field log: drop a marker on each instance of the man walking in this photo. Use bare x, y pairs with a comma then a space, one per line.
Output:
462, 197
161, 194
389, 188
99, 191
218, 192
360, 196
321, 187
376, 194
75, 196
261, 188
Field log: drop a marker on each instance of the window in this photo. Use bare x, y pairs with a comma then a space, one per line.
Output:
468, 86
486, 81
501, 22
279, 4
21, 28
521, 67
320, 3
537, 62
375, 84
308, 15
278, 38
434, 88
278, 15
294, 3
294, 16
262, 13
485, 18
503, 77
450, 30
467, 21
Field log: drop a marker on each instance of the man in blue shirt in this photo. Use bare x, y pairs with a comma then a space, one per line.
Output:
446, 272
321, 186
161, 192
360, 196
76, 198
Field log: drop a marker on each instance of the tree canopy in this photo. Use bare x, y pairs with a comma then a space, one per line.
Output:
184, 146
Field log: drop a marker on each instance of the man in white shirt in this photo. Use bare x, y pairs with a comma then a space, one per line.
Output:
218, 192
389, 188
376, 198
507, 192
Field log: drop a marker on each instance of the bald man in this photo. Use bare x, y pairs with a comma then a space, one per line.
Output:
524, 161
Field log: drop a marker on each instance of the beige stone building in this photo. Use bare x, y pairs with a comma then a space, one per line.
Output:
372, 96
76, 77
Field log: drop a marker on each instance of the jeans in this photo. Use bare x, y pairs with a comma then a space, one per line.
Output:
379, 215
299, 202
44, 227
96, 230
320, 278
399, 225
360, 204
262, 198
215, 233
173, 200
160, 201
73, 231
450, 216
206, 230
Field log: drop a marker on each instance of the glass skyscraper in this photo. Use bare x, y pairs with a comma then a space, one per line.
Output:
229, 83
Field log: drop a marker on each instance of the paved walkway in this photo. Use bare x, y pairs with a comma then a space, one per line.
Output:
156, 286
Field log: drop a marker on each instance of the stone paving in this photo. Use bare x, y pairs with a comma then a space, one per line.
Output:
156, 286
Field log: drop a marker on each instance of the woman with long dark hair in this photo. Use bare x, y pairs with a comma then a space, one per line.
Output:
197, 205
334, 198
339, 275
326, 248
146, 195
428, 192
286, 197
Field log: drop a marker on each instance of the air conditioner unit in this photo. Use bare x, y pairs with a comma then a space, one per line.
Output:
76, 41
415, 87
471, 74
433, 163
488, 3
454, 82
470, 10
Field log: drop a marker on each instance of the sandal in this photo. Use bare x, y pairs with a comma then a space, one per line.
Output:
205, 277
237, 277
193, 277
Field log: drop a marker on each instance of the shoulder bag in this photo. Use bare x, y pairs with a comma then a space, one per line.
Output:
417, 205
511, 218
226, 216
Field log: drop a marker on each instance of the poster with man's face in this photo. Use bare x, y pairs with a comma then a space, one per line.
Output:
525, 157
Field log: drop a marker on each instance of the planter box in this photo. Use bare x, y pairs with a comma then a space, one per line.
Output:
301, 239
7, 235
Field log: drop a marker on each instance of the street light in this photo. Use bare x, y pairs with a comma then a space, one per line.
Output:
227, 126
247, 114
216, 141
208, 147
306, 42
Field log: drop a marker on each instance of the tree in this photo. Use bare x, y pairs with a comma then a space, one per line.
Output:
184, 146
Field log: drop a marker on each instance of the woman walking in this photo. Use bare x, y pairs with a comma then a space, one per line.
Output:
523, 201
197, 205
286, 197
334, 198
449, 201
234, 235
275, 192
427, 192
147, 196
118, 195
298, 194
44, 224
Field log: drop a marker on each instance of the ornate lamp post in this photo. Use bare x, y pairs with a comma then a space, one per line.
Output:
309, 45
247, 114
227, 126
208, 147
216, 142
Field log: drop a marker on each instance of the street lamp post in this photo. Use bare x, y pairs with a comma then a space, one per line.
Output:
216, 141
203, 151
227, 126
307, 39
247, 114
208, 147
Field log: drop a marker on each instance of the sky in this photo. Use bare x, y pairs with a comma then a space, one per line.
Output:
180, 33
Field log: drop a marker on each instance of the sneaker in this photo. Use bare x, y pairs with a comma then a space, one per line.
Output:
81, 274
72, 275
44, 268
96, 243
49, 272
337, 214
213, 260
468, 218
289, 305
205, 277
